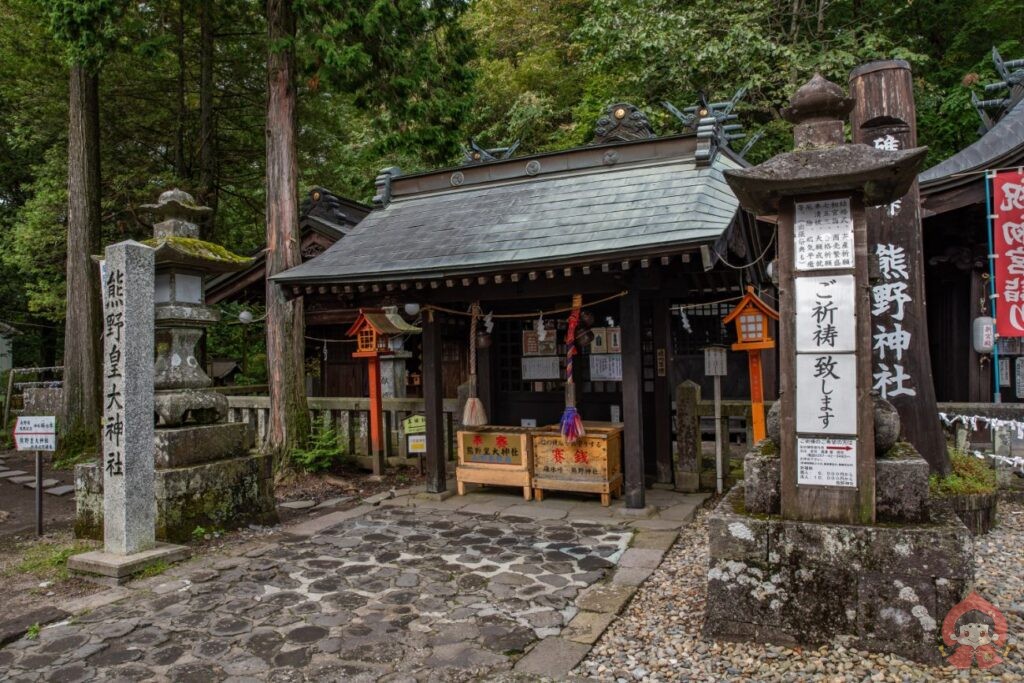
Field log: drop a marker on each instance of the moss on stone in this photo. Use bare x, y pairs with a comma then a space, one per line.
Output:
969, 475
200, 249
767, 448
901, 450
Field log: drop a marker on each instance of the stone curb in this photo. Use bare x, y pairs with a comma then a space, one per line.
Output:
318, 524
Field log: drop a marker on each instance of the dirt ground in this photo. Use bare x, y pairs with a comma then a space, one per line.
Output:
17, 503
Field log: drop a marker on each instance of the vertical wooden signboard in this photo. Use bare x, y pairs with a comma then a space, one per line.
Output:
827, 435
884, 117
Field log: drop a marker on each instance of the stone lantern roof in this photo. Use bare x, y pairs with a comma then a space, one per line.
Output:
822, 161
176, 236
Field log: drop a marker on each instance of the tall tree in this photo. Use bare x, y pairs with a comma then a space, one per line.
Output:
286, 343
84, 28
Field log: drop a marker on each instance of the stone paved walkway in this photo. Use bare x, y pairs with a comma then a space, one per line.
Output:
415, 590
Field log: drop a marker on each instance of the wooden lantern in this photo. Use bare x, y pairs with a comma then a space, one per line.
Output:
373, 331
751, 316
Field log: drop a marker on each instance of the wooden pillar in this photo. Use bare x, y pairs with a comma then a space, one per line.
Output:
432, 403
756, 394
632, 399
662, 390
884, 117
485, 380
376, 416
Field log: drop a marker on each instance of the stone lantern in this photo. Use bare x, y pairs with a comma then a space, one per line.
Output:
182, 263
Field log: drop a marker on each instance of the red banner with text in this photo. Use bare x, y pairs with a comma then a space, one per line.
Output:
1008, 240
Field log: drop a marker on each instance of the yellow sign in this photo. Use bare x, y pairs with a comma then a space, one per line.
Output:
414, 424
492, 448
417, 443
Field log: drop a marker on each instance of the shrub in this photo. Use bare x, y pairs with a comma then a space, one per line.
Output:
323, 451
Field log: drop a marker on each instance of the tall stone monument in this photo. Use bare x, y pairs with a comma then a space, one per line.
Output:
206, 474
797, 555
884, 117
129, 542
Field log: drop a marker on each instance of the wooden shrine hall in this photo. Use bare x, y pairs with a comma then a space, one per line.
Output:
635, 224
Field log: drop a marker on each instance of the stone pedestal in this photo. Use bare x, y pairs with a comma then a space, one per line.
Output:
183, 446
806, 583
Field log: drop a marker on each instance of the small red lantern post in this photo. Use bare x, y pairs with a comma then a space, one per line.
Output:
373, 330
751, 316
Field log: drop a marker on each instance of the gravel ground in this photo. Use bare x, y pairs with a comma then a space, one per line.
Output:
658, 637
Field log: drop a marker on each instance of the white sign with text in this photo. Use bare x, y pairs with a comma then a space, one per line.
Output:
826, 462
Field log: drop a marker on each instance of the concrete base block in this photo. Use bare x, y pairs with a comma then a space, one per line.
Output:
440, 495
688, 482
122, 567
901, 489
885, 587
184, 446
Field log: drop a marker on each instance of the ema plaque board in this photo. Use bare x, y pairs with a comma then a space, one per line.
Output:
823, 235
826, 393
826, 462
826, 319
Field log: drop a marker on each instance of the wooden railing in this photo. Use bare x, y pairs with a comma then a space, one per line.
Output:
350, 418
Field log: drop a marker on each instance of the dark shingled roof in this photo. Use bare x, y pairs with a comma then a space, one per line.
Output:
1000, 147
565, 217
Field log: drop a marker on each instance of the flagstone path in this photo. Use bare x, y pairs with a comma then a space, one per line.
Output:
404, 592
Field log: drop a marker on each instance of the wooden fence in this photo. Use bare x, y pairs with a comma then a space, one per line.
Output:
350, 417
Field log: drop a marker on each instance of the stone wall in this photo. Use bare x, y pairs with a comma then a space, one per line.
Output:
221, 494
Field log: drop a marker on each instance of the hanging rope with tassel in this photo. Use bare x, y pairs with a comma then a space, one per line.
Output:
572, 424
474, 414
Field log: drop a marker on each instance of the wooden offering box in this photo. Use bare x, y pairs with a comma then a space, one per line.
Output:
594, 465
495, 455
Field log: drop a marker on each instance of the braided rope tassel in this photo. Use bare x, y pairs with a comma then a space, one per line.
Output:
571, 423
474, 414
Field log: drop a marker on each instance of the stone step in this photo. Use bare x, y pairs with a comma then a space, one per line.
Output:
23, 479
62, 490
47, 483
10, 474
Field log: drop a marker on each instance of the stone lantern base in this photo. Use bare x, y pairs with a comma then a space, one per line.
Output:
885, 587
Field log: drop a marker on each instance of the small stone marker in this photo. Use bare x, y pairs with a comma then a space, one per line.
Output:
129, 502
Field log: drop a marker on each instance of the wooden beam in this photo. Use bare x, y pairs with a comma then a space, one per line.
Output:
390, 286
645, 263
375, 288
663, 384
586, 270
334, 289
686, 258
433, 403
362, 288
665, 260
466, 281
419, 285
549, 274
404, 286
449, 283
348, 289
434, 284
498, 279
567, 272
482, 280
625, 265
532, 275
632, 399
514, 277
605, 267
309, 289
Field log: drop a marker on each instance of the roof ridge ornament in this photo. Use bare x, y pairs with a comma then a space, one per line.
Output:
710, 120
382, 184
473, 153
622, 122
1012, 75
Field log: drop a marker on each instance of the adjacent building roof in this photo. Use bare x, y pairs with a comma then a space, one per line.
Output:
646, 197
1000, 147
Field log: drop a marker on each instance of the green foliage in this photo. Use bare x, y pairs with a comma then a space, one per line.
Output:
49, 561
86, 28
33, 631
969, 475
324, 451
244, 343
75, 445
155, 569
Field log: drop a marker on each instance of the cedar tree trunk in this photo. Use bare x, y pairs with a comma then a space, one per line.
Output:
289, 418
82, 383
207, 135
